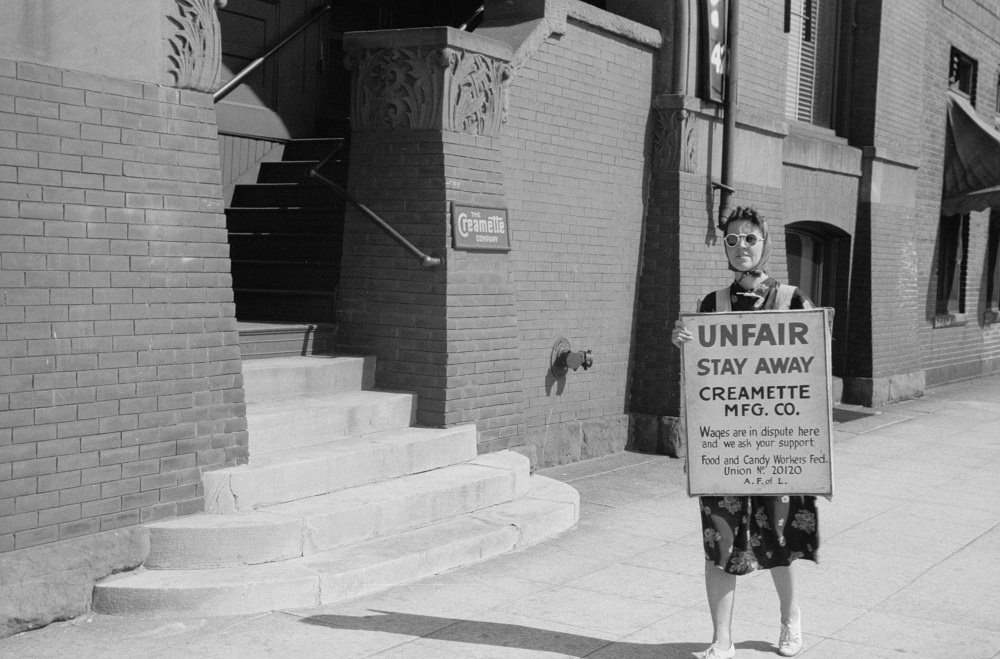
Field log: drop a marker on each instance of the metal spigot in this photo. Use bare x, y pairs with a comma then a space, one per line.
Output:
564, 358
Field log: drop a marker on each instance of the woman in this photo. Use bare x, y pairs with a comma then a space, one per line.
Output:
746, 533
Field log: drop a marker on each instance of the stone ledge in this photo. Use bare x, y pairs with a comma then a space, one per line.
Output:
45, 584
615, 24
659, 435
562, 443
878, 392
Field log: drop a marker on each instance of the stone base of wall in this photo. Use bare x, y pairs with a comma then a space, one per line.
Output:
876, 392
661, 435
562, 443
964, 371
45, 584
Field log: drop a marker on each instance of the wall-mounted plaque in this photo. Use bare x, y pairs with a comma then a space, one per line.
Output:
483, 229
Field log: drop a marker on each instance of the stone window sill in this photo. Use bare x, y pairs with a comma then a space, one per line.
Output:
991, 316
950, 320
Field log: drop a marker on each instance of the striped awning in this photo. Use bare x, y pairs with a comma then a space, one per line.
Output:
971, 161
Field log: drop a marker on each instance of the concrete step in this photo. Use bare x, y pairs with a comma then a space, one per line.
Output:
307, 194
315, 148
547, 508
273, 478
281, 425
291, 376
319, 523
273, 340
295, 171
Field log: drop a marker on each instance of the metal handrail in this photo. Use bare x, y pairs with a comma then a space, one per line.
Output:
475, 15
426, 260
224, 91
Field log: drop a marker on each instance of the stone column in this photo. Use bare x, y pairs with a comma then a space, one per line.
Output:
655, 386
428, 106
883, 332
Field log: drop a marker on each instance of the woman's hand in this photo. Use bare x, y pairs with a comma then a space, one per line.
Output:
680, 335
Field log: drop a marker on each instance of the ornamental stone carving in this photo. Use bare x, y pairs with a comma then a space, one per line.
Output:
194, 44
674, 144
429, 88
476, 93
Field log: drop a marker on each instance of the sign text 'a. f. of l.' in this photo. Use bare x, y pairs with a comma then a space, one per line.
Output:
757, 407
483, 229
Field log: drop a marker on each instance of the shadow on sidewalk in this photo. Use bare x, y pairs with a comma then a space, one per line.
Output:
844, 415
506, 635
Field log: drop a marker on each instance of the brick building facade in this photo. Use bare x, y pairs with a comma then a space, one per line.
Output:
120, 376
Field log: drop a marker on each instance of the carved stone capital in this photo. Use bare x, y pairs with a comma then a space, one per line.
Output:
193, 43
429, 87
674, 144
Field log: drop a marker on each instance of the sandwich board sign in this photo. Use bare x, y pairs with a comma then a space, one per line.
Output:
757, 405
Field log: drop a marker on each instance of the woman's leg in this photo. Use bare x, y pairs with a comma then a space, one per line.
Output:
784, 583
790, 640
721, 589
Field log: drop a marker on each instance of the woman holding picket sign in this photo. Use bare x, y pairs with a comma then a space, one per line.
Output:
746, 533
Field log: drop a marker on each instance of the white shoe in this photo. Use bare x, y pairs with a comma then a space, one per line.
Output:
790, 641
715, 652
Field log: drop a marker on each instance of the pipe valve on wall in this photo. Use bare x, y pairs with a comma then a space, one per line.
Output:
565, 358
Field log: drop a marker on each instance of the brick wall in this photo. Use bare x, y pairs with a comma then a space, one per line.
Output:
388, 305
895, 296
485, 371
574, 154
654, 386
119, 361
973, 349
762, 54
573, 172
447, 334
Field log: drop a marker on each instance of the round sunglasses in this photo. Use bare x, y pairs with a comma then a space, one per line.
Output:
733, 239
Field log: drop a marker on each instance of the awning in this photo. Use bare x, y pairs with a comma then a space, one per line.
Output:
971, 161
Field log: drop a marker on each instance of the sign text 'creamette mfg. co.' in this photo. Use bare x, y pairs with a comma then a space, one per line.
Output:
480, 228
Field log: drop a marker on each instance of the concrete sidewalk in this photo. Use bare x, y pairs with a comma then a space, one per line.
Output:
909, 557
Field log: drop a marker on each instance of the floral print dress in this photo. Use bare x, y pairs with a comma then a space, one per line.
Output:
745, 533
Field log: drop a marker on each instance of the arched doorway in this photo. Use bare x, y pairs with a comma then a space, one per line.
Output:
819, 263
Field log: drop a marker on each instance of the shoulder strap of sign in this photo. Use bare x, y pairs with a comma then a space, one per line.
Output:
785, 294
722, 302
784, 301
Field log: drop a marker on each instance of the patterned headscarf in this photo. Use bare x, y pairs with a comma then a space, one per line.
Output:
750, 215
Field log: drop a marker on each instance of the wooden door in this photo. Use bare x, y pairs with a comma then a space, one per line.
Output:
278, 100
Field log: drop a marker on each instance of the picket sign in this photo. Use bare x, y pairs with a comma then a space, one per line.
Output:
757, 404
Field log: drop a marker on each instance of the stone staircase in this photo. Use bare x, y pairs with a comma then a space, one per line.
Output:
286, 233
342, 497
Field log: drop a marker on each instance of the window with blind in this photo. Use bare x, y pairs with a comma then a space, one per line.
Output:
953, 253
813, 29
962, 74
993, 268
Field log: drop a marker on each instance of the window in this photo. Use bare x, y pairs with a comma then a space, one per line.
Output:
813, 28
813, 249
996, 107
962, 72
953, 240
819, 257
993, 270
